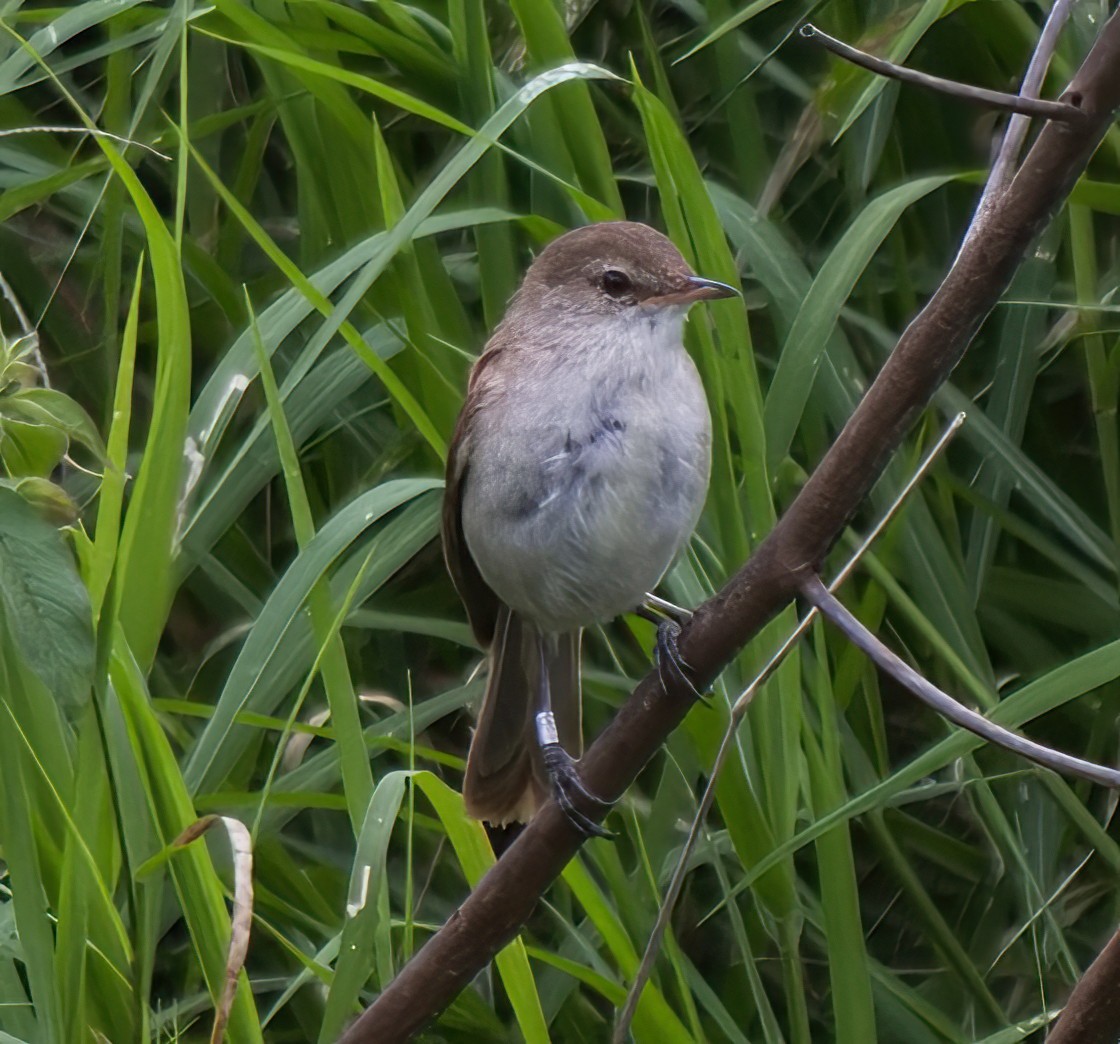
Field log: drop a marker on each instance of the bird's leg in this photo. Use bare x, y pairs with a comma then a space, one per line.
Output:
561, 766
672, 668
663, 609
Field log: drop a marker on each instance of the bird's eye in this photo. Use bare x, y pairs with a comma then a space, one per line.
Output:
616, 283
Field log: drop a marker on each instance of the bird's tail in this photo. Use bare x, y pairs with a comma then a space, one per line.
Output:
505, 780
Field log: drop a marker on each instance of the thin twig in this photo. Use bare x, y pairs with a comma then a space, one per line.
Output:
942, 702
1049, 110
1017, 126
738, 712
9, 295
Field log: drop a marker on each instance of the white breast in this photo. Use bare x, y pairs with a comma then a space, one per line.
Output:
585, 489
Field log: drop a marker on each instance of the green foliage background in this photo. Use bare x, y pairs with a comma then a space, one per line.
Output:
264, 283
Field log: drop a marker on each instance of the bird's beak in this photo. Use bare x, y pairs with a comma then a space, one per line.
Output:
708, 290
696, 288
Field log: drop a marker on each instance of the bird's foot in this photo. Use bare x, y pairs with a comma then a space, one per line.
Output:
672, 668
567, 788
657, 609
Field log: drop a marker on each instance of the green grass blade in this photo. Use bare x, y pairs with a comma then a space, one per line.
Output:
356, 775
472, 850
111, 494
801, 353
654, 1019
220, 743
201, 898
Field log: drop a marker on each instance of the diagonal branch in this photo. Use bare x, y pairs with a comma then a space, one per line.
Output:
1092, 1013
833, 610
930, 347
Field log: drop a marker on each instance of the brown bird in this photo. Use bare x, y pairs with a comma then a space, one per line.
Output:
576, 474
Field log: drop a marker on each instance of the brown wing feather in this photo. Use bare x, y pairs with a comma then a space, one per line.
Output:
478, 599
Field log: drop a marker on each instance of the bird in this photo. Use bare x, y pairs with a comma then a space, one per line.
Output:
576, 474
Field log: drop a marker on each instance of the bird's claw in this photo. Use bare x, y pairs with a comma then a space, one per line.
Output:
672, 668
566, 782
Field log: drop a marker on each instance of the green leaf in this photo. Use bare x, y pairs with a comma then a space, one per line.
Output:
355, 961
45, 603
1065, 683
902, 45
53, 408
30, 449
147, 544
472, 849
804, 346
18, 813
246, 686
49, 500
653, 1019
168, 802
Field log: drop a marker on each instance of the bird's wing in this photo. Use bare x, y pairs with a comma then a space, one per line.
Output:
481, 603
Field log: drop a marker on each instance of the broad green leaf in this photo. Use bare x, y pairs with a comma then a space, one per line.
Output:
44, 603
30, 449
48, 406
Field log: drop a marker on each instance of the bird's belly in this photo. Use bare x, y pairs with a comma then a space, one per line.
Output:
607, 516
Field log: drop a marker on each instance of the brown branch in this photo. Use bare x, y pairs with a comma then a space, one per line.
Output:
1024, 106
1092, 1013
930, 347
838, 615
